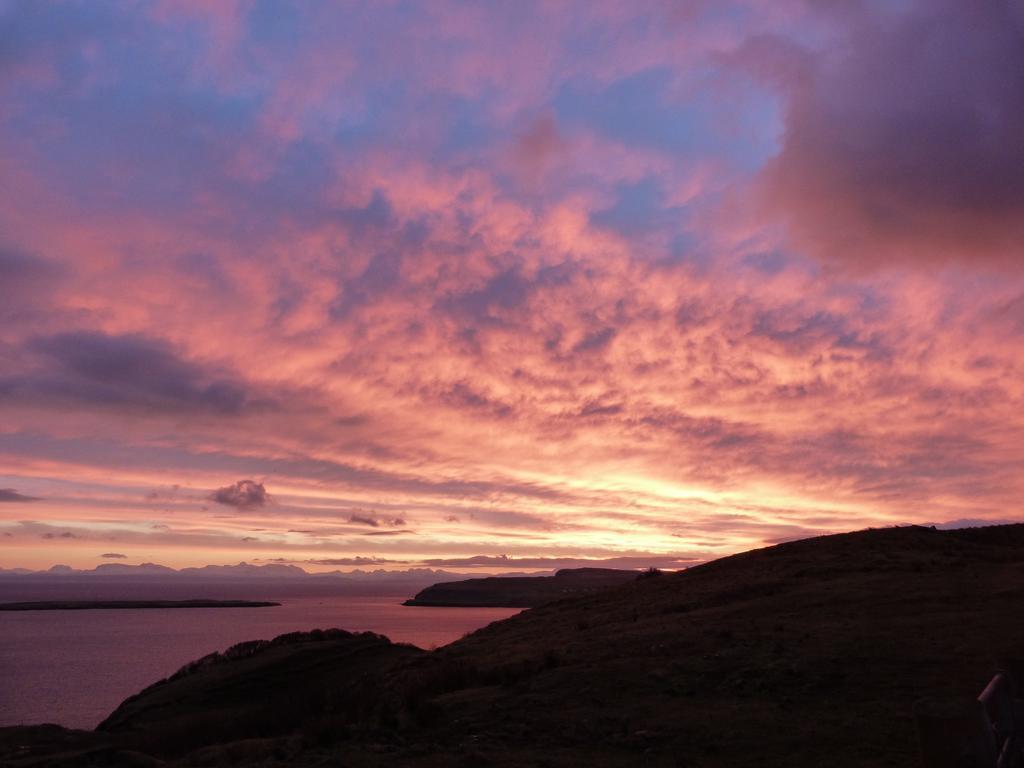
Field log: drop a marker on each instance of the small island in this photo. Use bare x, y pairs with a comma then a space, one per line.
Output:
81, 605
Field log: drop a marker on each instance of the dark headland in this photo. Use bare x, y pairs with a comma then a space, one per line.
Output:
79, 605
519, 591
809, 653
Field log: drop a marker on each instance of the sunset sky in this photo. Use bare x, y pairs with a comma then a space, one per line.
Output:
412, 282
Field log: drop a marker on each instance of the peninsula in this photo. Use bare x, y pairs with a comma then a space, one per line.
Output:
519, 591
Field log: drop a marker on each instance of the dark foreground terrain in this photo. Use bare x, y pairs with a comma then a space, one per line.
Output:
82, 605
810, 653
519, 591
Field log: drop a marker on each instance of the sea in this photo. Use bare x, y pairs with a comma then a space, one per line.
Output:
74, 667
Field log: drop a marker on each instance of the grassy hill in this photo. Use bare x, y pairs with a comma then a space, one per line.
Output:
805, 654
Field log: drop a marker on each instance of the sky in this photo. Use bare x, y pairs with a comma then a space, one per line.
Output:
392, 283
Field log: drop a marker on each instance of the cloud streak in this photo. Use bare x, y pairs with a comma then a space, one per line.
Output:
124, 372
11, 496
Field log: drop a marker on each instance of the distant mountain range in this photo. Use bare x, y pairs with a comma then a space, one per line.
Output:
243, 570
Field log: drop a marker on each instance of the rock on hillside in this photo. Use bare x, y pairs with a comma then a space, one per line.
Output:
259, 688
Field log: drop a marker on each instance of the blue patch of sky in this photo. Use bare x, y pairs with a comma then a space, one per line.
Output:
275, 23
638, 209
712, 113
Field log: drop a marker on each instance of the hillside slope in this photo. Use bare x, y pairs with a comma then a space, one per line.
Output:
805, 654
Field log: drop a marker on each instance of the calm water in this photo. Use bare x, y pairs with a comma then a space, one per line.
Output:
75, 667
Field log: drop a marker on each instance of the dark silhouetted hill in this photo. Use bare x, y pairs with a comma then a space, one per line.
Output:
809, 653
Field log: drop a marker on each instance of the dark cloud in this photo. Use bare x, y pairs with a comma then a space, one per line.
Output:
596, 408
62, 535
706, 432
596, 341
904, 141
113, 556
374, 520
382, 275
392, 240
10, 495
463, 395
800, 333
493, 302
134, 371
163, 494
376, 216
244, 494
692, 314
